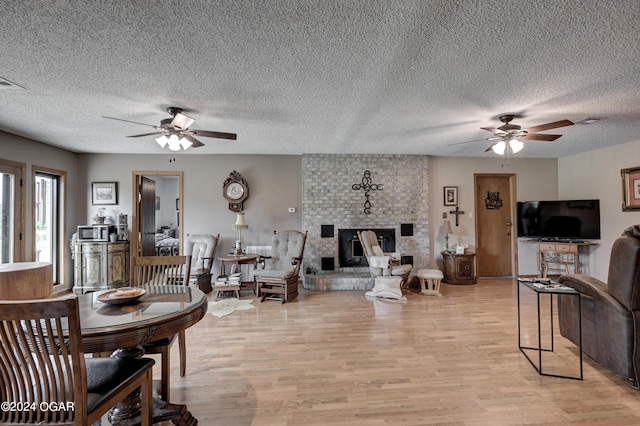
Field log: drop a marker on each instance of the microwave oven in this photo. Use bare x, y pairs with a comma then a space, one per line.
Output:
95, 232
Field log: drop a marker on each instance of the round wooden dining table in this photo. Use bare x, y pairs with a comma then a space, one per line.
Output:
162, 311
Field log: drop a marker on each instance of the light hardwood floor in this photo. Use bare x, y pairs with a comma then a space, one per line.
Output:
337, 358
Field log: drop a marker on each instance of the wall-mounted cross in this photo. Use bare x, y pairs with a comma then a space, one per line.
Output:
367, 186
457, 212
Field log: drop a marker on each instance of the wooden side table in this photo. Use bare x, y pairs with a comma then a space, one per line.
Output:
459, 268
240, 259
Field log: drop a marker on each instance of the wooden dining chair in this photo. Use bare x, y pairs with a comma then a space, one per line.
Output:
163, 270
42, 363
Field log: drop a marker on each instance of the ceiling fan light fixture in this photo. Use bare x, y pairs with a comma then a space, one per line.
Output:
185, 143
174, 143
499, 147
516, 145
181, 121
162, 141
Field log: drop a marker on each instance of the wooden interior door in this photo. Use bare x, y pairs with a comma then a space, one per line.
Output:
495, 242
143, 222
147, 216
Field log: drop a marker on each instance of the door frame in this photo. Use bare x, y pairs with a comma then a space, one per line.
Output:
135, 205
19, 170
512, 209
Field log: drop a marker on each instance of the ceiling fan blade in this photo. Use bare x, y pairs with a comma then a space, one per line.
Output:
477, 140
549, 126
195, 143
209, 134
144, 134
129, 121
461, 143
490, 148
539, 137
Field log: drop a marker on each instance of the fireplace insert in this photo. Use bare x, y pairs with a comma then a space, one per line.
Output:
350, 251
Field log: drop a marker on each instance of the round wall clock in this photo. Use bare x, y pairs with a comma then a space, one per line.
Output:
236, 190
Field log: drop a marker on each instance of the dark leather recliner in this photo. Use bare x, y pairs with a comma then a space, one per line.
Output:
610, 311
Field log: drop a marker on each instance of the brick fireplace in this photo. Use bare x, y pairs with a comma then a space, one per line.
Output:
333, 199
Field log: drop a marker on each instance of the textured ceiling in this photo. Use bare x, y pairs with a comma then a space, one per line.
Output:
292, 77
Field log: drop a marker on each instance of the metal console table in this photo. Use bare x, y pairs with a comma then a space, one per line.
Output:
539, 288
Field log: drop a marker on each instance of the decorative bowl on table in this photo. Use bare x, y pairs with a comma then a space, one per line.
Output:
122, 296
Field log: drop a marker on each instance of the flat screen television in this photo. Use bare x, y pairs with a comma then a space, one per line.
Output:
559, 220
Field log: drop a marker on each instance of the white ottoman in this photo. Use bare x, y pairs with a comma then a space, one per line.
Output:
387, 287
430, 281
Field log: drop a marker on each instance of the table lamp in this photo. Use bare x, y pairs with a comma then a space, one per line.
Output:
239, 226
446, 228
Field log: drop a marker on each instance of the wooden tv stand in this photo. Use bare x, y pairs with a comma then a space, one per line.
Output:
569, 257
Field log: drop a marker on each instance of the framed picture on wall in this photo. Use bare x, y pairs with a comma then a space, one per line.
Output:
104, 193
630, 189
450, 195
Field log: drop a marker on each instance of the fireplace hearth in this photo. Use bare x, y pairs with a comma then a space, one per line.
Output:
350, 251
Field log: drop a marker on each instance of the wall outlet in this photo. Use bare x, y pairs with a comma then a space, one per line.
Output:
292, 209
444, 215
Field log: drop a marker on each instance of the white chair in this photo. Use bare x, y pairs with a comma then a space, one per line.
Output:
202, 249
390, 275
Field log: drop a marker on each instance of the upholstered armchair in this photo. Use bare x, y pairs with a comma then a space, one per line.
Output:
610, 311
390, 275
279, 278
202, 249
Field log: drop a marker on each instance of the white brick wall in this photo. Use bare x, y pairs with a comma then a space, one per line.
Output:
328, 199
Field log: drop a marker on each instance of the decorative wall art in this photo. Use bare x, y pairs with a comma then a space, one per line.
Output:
457, 212
450, 195
630, 189
368, 187
104, 193
493, 201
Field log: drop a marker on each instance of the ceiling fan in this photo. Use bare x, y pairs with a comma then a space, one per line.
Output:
513, 134
175, 131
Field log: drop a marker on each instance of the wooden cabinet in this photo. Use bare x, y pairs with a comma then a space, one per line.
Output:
100, 266
459, 268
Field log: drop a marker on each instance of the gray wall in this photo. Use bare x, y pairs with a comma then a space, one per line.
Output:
274, 186
596, 174
536, 179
